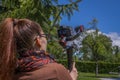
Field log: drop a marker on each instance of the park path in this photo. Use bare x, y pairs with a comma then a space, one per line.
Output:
110, 78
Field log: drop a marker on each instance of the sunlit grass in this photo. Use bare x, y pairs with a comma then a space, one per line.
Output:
91, 76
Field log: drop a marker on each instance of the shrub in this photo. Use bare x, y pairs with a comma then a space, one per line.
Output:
88, 66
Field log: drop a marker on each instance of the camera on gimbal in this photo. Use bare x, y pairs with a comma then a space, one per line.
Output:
65, 34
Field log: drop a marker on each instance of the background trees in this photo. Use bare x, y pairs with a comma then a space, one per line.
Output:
46, 12
96, 46
116, 54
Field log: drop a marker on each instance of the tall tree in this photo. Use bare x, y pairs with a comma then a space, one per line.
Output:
41, 10
96, 45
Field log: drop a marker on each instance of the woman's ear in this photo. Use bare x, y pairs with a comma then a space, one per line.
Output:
38, 42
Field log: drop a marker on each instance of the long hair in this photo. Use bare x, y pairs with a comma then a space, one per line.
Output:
16, 36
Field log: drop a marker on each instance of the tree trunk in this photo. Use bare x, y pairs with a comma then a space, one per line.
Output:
96, 70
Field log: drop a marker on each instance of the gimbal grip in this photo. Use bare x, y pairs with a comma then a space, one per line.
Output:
70, 58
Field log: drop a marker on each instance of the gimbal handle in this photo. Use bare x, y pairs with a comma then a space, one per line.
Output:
70, 58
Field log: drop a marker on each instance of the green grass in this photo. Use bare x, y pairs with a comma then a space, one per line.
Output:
91, 76
108, 76
87, 76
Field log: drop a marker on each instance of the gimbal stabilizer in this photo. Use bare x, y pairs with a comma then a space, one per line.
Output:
65, 35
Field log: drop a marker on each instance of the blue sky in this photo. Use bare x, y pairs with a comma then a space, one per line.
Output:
107, 12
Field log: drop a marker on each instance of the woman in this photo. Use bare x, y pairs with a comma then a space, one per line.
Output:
23, 53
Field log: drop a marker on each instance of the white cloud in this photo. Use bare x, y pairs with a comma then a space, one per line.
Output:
115, 37
91, 31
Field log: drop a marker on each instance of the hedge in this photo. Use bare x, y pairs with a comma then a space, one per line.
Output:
88, 66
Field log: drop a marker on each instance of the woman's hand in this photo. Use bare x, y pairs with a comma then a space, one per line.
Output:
74, 72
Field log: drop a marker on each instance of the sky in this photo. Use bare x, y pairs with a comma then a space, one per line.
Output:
107, 12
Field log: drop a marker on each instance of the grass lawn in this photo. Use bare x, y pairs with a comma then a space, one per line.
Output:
91, 76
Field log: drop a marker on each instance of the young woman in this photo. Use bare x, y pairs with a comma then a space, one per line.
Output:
23, 53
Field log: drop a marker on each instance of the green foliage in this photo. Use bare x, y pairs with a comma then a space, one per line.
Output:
116, 54
55, 49
40, 11
96, 46
88, 66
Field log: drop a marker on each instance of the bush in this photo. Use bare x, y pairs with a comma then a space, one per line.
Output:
88, 66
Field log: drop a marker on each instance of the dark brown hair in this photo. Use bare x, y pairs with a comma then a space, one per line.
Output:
16, 36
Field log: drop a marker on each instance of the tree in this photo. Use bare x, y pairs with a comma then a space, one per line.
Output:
116, 54
96, 45
41, 11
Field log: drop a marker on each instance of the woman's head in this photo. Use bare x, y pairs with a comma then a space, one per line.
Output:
17, 36
27, 33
